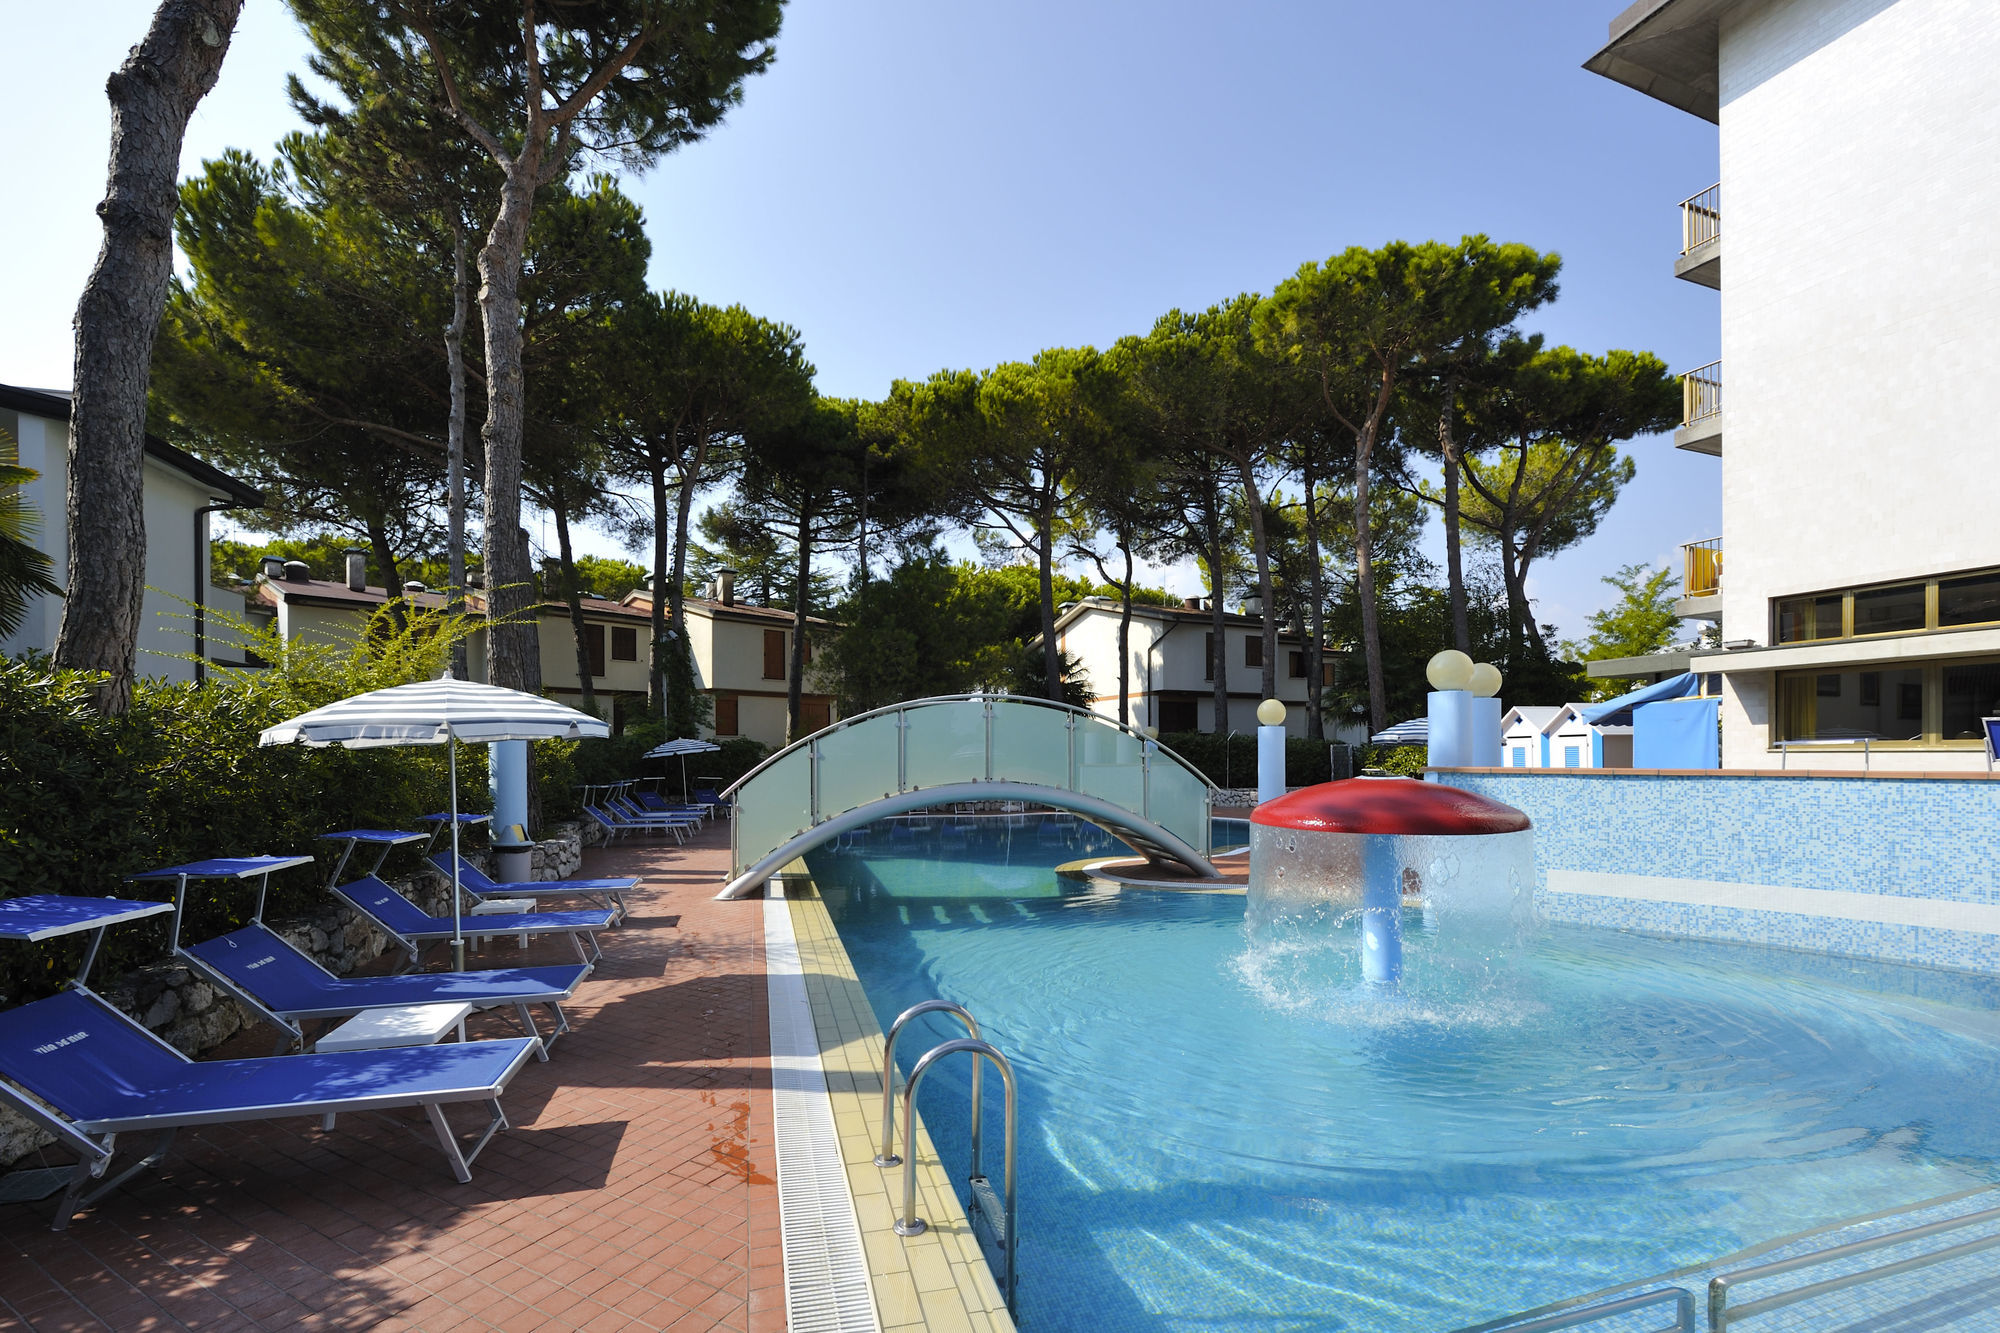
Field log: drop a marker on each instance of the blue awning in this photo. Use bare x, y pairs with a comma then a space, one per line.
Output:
1618, 712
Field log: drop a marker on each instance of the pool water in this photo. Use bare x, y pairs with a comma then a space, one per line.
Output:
1221, 1133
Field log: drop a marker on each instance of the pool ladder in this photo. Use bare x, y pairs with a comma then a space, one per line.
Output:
991, 1212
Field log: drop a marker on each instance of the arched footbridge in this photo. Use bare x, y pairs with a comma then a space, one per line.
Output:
940, 751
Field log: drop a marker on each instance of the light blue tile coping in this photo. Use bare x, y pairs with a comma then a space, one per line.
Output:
1906, 869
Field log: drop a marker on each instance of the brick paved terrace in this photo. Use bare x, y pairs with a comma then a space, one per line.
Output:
635, 1191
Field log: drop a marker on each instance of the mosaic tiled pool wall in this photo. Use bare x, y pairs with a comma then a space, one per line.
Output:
1895, 868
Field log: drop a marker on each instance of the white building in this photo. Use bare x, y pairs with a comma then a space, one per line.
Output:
1859, 331
1524, 735
180, 494
1172, 675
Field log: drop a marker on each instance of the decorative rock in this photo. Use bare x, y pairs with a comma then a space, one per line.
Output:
163, 1010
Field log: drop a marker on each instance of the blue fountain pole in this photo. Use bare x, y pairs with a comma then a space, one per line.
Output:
1381, 910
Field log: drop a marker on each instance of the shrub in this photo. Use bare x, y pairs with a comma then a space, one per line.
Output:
1405, 761
1232, 761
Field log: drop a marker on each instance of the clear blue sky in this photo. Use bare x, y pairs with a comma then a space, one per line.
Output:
919, 184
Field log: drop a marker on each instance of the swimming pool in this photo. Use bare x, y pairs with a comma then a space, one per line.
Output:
1229, 1135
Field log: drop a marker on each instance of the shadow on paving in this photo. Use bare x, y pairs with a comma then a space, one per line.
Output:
625, 1180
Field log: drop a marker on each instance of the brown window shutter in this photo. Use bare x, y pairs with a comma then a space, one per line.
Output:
812, 714
1253, 651
1208, 656
593, 643
1297, 665
624, 643
725, 715
774, 654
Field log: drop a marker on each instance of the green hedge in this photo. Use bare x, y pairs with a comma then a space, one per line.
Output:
1306, 761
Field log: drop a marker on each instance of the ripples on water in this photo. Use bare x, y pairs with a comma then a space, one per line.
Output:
1237, 1133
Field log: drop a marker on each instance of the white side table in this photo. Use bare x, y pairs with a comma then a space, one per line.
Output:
405, 1025
502, 907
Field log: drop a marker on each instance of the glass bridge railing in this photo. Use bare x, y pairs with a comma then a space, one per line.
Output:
927, 744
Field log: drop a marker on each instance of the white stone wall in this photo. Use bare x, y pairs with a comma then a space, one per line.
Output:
1860, 308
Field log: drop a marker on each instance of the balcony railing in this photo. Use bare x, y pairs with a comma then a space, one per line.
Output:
1701, 393
1701, 219
1701, 568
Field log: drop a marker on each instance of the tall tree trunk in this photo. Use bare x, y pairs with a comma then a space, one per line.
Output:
513, 652
1364, 555
685, 721
795, 670
573, 596
385, 560
1315, 610
1219, 653
1045, 534
861, 534
1125, 633
1260, 547
1518, 614
1454, 555
657, 677
454, 355
153, 93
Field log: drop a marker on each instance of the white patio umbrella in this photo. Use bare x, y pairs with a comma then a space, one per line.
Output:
683, 748
437, 712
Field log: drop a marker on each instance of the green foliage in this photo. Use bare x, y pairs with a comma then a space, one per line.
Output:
24, 570
1641, 621
1403, 761
1232, 761
608, 577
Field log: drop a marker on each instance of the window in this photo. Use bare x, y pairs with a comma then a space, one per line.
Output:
1207, 658
1253, 651
1969, 601
1971, 691
1889, 610
624, 643
812, 716
1326, 673
1852, 705
1297, 668
725, 715
774, 654
1803, 619
1177, 715
593, 646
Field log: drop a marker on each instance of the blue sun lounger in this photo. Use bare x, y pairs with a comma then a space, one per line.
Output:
412, 927
616, 822
480, 886
86, 1073
274, 980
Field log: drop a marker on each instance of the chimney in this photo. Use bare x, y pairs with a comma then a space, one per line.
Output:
1191, 603
357, 570
475, 580
725, 586
271, 567
412, 588
296, 572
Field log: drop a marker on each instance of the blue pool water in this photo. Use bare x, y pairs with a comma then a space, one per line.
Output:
1226, 1134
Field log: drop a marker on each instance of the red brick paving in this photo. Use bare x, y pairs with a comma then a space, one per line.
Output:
635, 1191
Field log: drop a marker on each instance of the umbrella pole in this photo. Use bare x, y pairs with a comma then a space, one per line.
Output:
457, 922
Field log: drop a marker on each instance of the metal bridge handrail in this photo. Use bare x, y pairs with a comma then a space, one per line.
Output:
1153, 742
1682, 1298
1720, 1315
908, 1223
887, 1156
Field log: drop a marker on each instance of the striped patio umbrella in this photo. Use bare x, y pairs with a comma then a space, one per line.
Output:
437, 712
1417, 731
683, 747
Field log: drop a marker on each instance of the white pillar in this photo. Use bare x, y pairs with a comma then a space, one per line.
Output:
1451, 714
1270, 750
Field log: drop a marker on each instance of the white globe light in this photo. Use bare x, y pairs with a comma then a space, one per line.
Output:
1449, 670
1485, 680
1271, 713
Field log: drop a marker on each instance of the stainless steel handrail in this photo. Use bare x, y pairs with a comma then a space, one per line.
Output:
908, 1223
1682, 1298
1720, 1315
887, 1157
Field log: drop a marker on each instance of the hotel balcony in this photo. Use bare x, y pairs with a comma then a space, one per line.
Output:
1701, 239
1701, 410
1701, 581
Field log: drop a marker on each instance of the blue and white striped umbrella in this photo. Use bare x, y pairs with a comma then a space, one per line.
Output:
1417, 731
433, 711
438, 712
